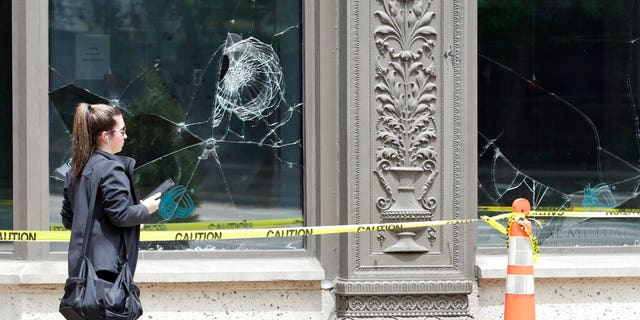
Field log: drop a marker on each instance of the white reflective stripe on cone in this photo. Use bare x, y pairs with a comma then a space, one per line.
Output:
518, 284
520, 252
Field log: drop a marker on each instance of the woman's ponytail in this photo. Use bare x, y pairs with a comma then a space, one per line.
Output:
88, 122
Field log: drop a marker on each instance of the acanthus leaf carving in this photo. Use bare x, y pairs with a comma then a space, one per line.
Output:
406, 95
405, 88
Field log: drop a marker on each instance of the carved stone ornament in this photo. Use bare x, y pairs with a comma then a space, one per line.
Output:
403, 298
405, 91
407, 165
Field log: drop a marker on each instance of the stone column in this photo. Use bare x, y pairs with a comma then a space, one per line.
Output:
411, 154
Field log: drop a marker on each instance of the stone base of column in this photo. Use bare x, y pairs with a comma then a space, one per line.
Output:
404, 299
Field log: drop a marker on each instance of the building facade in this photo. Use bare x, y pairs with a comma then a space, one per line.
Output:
322, 113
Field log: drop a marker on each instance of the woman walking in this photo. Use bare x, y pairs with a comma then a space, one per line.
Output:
99, 133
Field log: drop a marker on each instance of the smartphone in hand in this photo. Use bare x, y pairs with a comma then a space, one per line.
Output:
162, 188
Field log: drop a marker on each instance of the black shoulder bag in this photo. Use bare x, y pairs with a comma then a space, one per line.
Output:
88, 297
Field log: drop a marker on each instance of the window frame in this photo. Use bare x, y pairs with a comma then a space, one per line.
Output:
488, 253
30, 124
31, 149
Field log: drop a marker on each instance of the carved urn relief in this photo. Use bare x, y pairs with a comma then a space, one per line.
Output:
405, 92
404, 134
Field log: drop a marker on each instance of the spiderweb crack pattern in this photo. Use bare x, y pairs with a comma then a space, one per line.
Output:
212, 154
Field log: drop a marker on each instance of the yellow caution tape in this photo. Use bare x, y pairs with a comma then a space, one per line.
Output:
570, 214
519, 219
202, 231
493, 221
564, 211
41, 236
201, 235
582, 213
212, 225
532, 239
586, 214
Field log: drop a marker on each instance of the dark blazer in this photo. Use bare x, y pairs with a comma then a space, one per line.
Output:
117, 214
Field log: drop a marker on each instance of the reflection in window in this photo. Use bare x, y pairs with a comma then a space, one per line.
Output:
559, 115
6, 143
212, 92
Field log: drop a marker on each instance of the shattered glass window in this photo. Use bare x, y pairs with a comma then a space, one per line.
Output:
212, 94
559, 116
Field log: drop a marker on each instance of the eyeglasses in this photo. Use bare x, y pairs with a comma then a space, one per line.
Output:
122, 131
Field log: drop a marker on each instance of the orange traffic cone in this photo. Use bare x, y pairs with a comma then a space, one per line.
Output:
519, 299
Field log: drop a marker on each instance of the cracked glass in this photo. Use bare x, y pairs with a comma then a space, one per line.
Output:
559, 116
212, 94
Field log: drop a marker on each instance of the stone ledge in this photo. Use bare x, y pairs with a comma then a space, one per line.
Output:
174, 270
346, 287
603, 265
